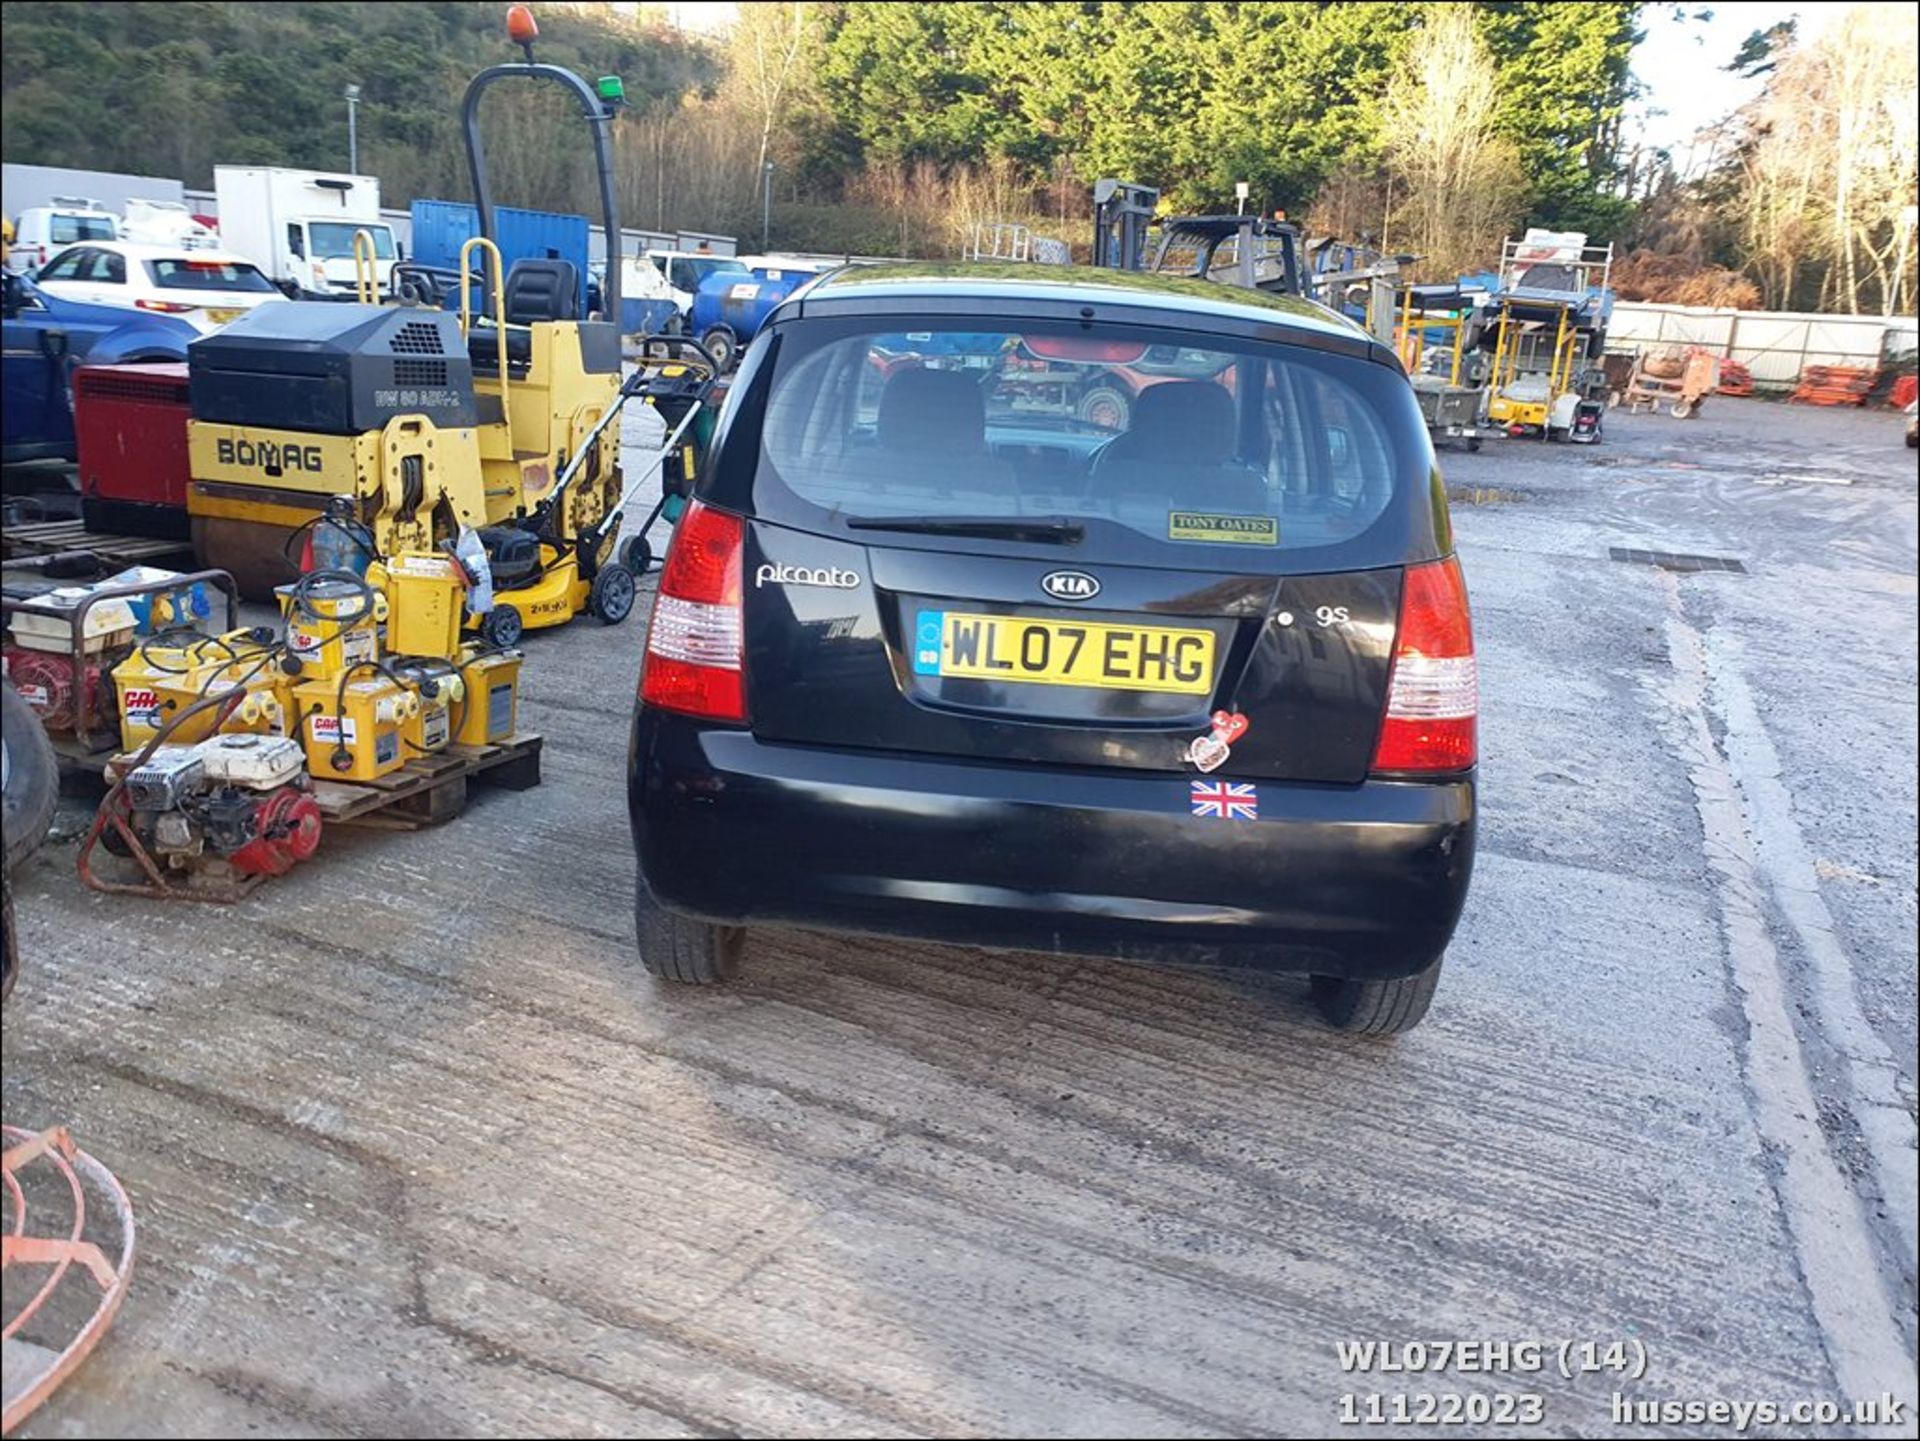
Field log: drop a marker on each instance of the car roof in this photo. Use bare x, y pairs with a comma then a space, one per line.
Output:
142, 250
1017, 283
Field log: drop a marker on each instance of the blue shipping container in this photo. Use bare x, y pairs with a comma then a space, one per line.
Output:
441, 227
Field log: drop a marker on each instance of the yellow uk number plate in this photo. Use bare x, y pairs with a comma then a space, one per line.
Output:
1059, 652
222, 317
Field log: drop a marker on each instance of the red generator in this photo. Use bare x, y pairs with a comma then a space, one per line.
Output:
131, 423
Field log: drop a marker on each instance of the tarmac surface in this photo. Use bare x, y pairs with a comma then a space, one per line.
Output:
417, 1149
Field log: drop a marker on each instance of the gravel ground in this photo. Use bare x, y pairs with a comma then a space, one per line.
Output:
418, 1150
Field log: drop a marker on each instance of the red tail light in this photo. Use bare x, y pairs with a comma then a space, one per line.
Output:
165, 307
693, 661
1433, 699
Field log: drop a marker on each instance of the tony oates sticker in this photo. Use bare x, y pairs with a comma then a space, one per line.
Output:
1232, 529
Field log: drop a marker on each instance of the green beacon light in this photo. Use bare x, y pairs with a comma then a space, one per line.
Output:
612, 91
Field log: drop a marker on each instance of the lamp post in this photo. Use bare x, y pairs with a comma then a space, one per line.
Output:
766, 204
352, 93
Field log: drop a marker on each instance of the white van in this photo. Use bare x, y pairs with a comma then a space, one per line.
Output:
43, 231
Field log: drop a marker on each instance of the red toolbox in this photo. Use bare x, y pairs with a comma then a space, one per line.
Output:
131, 423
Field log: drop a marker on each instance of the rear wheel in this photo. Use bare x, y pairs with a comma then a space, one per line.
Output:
29, 777
1473, 443
611, 599
722, 345
678, 948
503, 626
1374, 1007
637, 555
1681, 409
1106, 406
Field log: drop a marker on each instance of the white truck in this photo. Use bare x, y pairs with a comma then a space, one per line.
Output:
298, 226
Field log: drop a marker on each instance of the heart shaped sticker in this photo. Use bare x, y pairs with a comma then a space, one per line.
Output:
1229, 726
1208, 752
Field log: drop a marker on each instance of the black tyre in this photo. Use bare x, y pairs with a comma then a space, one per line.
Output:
611, 599
503, 626
1473, 444
678, 948
637, 555
723, 345
1376, 1008
1107, 406
29, 777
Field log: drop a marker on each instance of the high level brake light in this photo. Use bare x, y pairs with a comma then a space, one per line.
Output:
693, 660
1433, 698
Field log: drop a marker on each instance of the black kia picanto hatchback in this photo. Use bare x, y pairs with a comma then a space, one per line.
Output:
1064, 610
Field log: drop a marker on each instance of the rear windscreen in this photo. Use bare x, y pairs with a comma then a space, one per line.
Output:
185, 274
1152, 439
71, 229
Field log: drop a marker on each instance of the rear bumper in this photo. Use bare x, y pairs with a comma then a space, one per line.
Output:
1363, 880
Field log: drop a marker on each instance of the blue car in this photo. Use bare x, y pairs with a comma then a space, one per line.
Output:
47, 338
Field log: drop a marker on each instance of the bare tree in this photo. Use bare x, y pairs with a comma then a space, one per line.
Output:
768, 43
1463, 180
1830, 166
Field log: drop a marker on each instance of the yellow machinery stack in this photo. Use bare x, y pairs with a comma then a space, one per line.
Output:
495, 420
369, 673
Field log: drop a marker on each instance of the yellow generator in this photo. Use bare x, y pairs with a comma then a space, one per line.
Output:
498, 419
162, 678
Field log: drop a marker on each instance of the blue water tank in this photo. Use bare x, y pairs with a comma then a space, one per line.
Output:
742, 302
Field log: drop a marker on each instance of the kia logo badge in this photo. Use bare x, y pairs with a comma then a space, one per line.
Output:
1070, 585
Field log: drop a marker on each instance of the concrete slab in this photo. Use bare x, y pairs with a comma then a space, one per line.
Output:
418, 1150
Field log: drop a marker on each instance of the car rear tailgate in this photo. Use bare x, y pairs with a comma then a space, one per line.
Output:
833, 657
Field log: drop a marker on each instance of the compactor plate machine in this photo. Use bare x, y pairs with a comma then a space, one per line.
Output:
500, 419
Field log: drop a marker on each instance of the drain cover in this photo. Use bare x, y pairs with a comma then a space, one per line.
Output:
1673, 560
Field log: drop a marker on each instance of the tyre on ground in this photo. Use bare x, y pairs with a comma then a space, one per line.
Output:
679, 948
29, 777
1376, 1007
723, 345
611, 598
503, 626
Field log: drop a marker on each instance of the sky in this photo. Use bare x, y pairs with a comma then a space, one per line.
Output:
1682, 64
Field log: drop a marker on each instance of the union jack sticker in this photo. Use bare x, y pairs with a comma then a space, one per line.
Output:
1225, 801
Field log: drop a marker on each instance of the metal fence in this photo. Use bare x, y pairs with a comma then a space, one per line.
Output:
1775, 345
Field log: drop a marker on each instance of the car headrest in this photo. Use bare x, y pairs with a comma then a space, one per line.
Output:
932, 412
1187, 420
542, 290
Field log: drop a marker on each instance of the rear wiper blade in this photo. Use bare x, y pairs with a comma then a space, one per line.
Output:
1047, 529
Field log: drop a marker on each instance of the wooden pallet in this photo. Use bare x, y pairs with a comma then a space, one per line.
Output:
47, 537
431, 789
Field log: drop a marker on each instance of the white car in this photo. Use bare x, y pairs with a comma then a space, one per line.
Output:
205, 288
